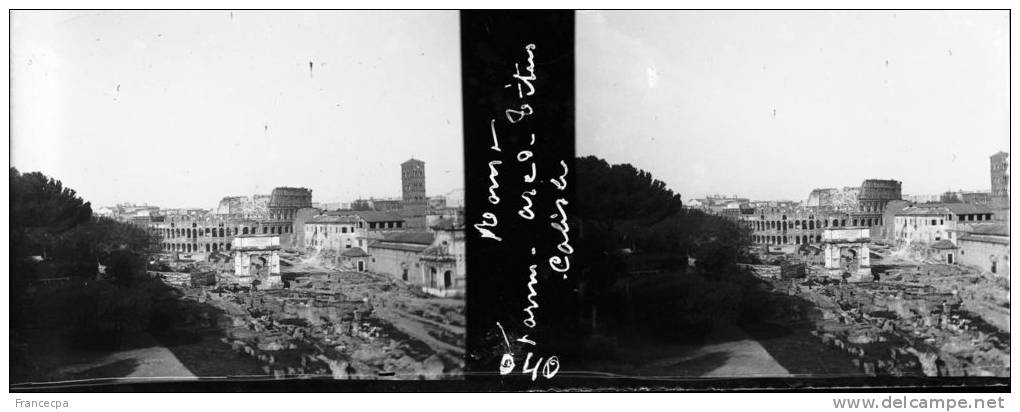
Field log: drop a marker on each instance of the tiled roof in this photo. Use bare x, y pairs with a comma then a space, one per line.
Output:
966, 208
991, 229
416, 237
332, 219
943, 244
368, 215
353, 252
446, 224
922, 211
994, 229
985, 239
415, 248
933, 209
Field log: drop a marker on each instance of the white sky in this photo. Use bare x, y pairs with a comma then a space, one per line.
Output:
179, 109
770, 105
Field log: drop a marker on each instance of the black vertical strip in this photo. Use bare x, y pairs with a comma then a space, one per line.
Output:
492, 42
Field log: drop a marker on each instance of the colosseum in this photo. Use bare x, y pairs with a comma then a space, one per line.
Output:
788, 225
209, 233
213, 232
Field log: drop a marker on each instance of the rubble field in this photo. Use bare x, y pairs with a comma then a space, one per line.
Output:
917, 318
335, 324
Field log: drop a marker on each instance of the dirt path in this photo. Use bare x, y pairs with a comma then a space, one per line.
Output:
740, 355
150, 362
728, 352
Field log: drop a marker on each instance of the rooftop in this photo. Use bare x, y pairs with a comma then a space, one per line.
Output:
943, 244
368, 215
323, 219
988, 229
353, 252
985, 239
935, 209
416, 237
447, 224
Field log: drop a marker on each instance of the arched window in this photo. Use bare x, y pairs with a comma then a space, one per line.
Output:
811, 225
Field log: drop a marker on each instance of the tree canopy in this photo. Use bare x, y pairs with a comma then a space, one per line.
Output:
41, 207
612, 193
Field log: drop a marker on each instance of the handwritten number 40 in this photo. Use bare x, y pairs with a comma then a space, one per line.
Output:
549, 368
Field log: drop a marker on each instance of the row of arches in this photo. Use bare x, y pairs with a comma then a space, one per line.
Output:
194, 247
194, 233
282, 214
786, 240
812, 224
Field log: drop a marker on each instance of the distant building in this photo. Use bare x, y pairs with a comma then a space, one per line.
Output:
412, 176
843, 200
257, 260
283, 206
199, 236
397, 255
371, 224
966, 196
443, 261
455, 198
787, 227
985, 246
923, 198
433, 260
437, 202
450, 213
354, 259
285, 201
888, 222
944, 250
332, 205
302, 217
931, 223
999, 170
256, 207
846, 253
876, 193
333, 233
386, 205
105, 212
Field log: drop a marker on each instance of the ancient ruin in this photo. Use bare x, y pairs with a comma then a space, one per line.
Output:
846, 253
257, 260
